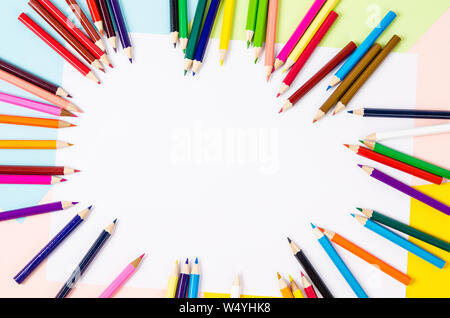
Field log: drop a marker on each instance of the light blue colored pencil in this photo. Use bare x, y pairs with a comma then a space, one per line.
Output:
194, 280
400, 241
337, 260
362, 49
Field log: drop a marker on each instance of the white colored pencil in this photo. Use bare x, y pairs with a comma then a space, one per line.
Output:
236, 288
414, 132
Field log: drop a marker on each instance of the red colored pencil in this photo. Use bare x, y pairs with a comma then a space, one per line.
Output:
320, 75
77, 33
37, 170
95, 14
295, 70
308, 287
55, 45
393, 163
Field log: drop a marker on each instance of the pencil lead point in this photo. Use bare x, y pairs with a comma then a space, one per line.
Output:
102, 69
221, 63
73, 125
115, 221
193, 73
360, 166
90, 207
115, 50
280, 111
278, 95
278, 275
75, 203
314, 121
256, 60
329, 87
131, 61
187, 261
174, 45
63, 180
98, 82
313, 226
301, 273
347, 145
359, 209
352, 214
142, 256
196, 260
184, 51
185, 72
70, 145
111, 66
361, 141
248, 44
289, 240
290, 279
70, 96
76, 170
350, 111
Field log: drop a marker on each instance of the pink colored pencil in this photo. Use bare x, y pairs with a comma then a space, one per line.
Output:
122, 278
29, 179
34, 105
271, 37
298, 33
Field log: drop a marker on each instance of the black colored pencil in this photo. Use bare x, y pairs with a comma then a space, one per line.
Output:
174, 22
401, 113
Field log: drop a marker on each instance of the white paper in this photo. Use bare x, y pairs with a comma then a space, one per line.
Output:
206, 167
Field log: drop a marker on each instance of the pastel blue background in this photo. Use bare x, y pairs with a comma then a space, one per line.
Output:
22, 48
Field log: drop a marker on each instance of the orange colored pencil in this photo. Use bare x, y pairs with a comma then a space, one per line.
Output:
33, 121
284, 287
271, 37
368, 257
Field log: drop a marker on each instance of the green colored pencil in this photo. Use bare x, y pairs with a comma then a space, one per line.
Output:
251, 20
195, 35
261, 28
383, 219
412, 161
184, 32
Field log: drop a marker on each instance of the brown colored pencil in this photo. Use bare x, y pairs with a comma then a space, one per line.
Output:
66, 35
348, 81
107, 20
34, 144
33, 121
33, 79
366, 74
86, 23
37, 170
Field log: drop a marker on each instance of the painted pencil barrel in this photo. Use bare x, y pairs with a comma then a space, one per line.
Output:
30, 104
121, 27
406, 113
227, 24
183, 285
118, 282
196, 29
261, 23
207, 29
29, 211
25, 179
251, 15
193, 286
183, 17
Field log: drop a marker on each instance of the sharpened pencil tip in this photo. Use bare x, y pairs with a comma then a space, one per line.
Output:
90, 207
290, 279
193, 73
256, 60
185, 72
301, 273
314, 121
278, 95
73, 125
280, 111
111, 66
350, 111
187, 261
248, 44
289, 240
360, 166
359, 209
278, 275
98, 82
115, 50
103, 70
347, 145
361, 141
352, 214
115, 221
221, 63
75, 203
142, 256
131, 61
196, 260
313, 226
328, 88
63, 180
76, 170
70, 96
174, 45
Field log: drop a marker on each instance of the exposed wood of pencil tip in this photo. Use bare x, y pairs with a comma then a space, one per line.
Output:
371, 137
111, 227
368, 170
84, 214
367, 212
295, 249
137, 261
361, 219
237, 280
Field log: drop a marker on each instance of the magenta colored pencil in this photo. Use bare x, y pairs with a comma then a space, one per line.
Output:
29, 179
34, 210
298, 33
31, 104
406, 189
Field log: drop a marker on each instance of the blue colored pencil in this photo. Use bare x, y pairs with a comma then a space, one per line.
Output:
194, 280
87, 259
206, 33
400, 241
183, 281
121, 28
362, 49
52, 245
337, 260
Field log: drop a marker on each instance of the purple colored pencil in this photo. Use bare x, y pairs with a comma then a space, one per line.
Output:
38, 209
406, 189
121, 28
183, 281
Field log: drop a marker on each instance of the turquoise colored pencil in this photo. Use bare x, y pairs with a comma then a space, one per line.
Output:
194, 280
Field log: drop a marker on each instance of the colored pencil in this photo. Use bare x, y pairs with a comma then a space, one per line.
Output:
76, 32
36, 122
173, 282
86, 23
183, 281
174, 22
304, 57
35, 210
368, 257
34, 144
120, 280
195, 35
37, 91
410, 160
65, 34
349, 80
362, 79
57, 47
122, 29
34, 105
312, 29
413, 132
37, 170
320, 75
194, 280
271, 37
95, 14
406, 229
309, 269
308, 287
33, 79
261, 28
362, 49
393, 163
406, 189
298, 33
401, 113
252, 14
30, 179
236, 288
400, 241
227, 25
284, 288
86, 261
184, 30
296, 291
52, 245
204, 37
339, 263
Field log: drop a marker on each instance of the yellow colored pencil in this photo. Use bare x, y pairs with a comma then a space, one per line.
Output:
227, 26
296, 291
310, 32
173, 282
